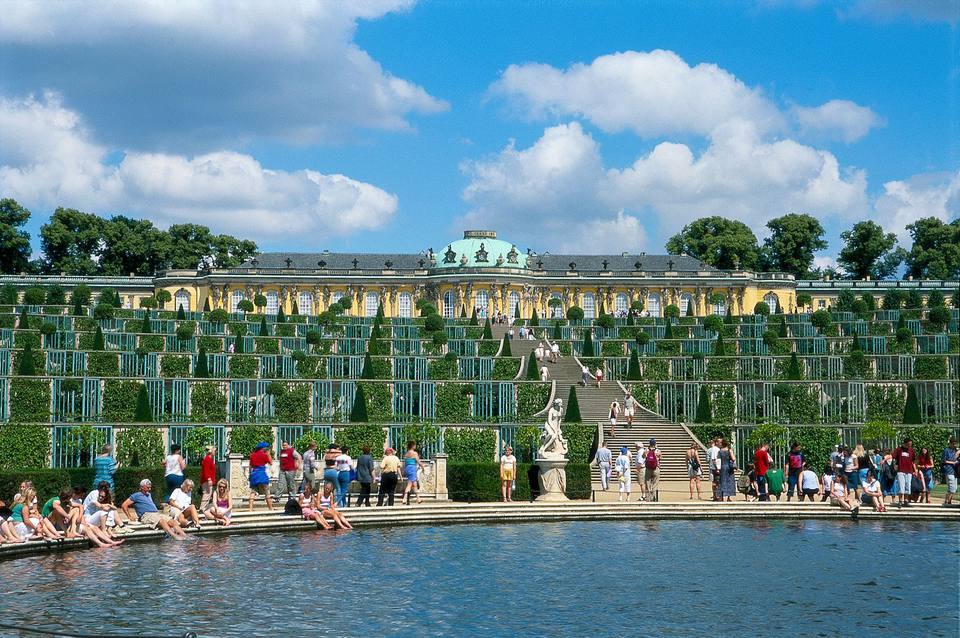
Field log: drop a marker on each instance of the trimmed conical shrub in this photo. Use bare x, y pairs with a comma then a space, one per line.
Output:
633, 369
181, 315
202, 370
77, 308
379, 316
367, 372
704, 409
24, 322
668, 331
98, 339
264, 328
855, 344
473, 318
487, 332
294, 308
505, 349
146, 327
911, 409
532, 373
587, 349
782, 328
143, 413
28, 366
557, 333
793, 372
206, 304
281, 318
901, 322
534, 319
572, 413
359, 412
689, 312
728, 318
719, 348
516, 311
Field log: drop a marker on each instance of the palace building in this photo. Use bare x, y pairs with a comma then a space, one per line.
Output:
484, 272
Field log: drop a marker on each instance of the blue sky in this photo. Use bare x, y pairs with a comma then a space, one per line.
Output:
576, 126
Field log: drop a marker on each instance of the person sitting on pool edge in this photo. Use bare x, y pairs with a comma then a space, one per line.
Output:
147, 513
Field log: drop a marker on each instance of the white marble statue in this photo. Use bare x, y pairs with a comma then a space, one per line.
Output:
552, 443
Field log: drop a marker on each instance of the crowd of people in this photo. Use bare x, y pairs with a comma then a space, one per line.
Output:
645, 461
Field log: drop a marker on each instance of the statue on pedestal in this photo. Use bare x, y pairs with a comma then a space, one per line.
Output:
552, 456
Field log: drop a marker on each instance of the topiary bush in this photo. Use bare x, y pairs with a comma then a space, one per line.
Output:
293, 405
469, 445
208, 403
23, 447
29, 400
140, 447
243, 438
120, 400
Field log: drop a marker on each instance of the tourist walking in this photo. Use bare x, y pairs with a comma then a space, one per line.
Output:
344, 465
904, 457
598, 375
260, 460
585, 376
544, 373
629, 408
641, 464
624, 472
538, 352
713, 460
411, 463
761, 463
208, 478
104, 467
694, 469
365, 476
389, 466
614, 413
508, 473
925, 465
728, 466
174, 465
793, 468
604, 460
651, 475
146, 511
555, 352
290, 461
949, 461
888, 476
310, 465
222, 508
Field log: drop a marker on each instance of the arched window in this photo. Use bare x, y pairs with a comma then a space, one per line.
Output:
405, 305
622, 305
273, 303
449, 305
686, 301
720, 306
235, 297
772, 301
335, 297
653, 304
482, 301
514, 298
305, 303
370, 304
589, 306
556, 311
182, 300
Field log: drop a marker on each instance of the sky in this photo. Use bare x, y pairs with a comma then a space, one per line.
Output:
392, 125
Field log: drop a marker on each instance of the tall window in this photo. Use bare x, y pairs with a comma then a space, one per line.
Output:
182, 300
589, 306
557, 311
514, 298
335, 297
305, 303
449, 305
720, 308
772, 302
622, 305
370, 304
405, 305
235, 297
685, 301
273, 303
653, 304
482, 300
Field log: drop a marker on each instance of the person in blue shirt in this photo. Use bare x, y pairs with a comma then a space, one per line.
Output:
949, 460
147, 512
104, 467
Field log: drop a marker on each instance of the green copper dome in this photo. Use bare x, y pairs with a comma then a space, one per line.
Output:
479, 249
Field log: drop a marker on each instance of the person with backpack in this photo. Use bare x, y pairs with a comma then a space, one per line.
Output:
651, 474
904, 456
888, 476
793, 468
761, 462
747, 483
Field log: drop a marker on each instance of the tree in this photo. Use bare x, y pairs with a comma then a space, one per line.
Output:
587, 349
9, 294
534, 319
689, 312
295, 307
264, 328
869, 252
761, 308
163, 296
487, 332
206, 304
845, 300
911, 409
713, 323
77, 307
358, 414
633, 368
142, 413
81, 294
793, 371
245, 306
367, 371
893, 299
23, 321
102, 311
131, 246
473, 318
282, 318
148, 302
71, 242
804, 299
935, 253
34, 296
14, 241
28, 366
192, 246
56, 295
855, 343
671, 312
146, 326
704, 410
869, 301
575, 313
939, 316
793, 239
505, 347
260, 301
936, 300
557, 332
782, 328
721, 242
98, 339
913, 300
181, 315
202, 369
572, 413
532, 373
821, 320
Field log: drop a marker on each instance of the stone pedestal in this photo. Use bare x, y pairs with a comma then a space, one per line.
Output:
237, 475
553, 479
440, 477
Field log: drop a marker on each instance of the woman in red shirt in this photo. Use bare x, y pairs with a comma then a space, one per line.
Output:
208, 477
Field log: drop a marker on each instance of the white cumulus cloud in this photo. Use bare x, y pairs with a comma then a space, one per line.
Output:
204, 75
50, 159
925, 195
840, 119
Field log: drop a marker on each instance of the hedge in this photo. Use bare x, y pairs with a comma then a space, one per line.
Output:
356, 435
120, 400
23, 446
481, 481
208, 403
174, 366
470, 445
29, 400
49, 482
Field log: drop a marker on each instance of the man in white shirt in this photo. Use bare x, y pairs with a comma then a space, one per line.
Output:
544, 373
538, 352
713, 458
555, 352
629, 408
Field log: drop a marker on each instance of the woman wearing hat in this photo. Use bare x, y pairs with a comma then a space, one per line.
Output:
622, 464
508, 472
259, 480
